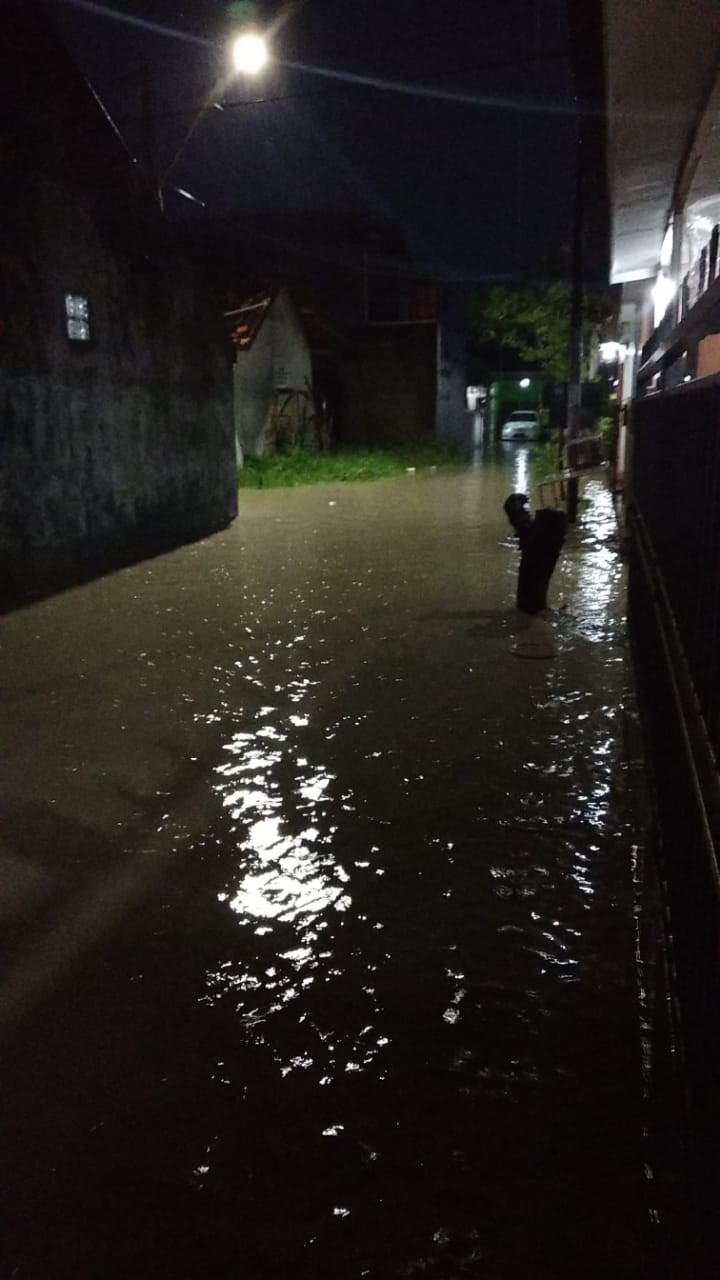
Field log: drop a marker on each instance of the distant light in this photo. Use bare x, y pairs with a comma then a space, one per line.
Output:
524, 382
662, 295
612, 351
688, 377
250, 53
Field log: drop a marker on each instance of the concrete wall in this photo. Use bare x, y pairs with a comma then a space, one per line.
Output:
388, 386
404, 382
118, 447
453, 422
278, 358
253, 382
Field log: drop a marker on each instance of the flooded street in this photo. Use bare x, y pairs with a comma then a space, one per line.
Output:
320, 905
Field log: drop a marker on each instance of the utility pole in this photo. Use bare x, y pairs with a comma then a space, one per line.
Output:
149, 140
574, 391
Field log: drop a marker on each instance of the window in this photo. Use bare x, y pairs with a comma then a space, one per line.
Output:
77, 317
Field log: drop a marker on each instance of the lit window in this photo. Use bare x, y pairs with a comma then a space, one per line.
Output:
77, 317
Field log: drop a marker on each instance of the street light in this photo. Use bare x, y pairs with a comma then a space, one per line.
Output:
612, 352
524, 383
250, 53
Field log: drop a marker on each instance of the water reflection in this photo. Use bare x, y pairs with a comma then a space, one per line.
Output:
288, 810
285, 876
358, 905
283, 813
521, 470
599, 569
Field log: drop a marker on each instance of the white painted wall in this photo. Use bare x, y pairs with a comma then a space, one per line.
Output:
279, 358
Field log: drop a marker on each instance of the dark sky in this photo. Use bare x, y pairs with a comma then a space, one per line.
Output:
481, 186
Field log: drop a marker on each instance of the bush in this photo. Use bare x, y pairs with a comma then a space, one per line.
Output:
544, 419
606, 429
545, 460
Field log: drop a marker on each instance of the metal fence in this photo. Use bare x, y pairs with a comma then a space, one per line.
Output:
674, 620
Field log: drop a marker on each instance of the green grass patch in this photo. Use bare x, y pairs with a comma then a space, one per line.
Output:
291, 467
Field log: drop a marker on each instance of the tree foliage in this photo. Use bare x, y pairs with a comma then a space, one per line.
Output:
534, 321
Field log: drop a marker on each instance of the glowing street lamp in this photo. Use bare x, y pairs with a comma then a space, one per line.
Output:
250, 53
524, 383
613, 352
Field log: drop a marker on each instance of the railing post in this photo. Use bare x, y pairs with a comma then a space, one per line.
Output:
713, 256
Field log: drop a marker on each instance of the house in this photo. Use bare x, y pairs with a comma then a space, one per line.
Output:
115, 380
663, 164
403, 371
274, 403
387, 345
663, 160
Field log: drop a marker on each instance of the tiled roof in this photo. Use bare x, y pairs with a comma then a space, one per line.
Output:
246, 321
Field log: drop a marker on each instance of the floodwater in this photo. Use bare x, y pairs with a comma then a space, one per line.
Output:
322, 906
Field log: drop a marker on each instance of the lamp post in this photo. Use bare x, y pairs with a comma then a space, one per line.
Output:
250, 54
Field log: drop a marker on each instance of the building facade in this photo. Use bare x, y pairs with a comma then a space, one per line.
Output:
272, 374
663, 160
115, 371
387, 346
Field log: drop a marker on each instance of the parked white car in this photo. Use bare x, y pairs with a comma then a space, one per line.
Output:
524, 424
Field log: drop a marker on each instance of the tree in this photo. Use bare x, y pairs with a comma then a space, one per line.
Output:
534, 321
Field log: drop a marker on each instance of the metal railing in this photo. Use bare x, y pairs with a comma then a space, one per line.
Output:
584, 455
674, 622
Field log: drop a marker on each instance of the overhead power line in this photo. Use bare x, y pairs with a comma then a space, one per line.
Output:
340, 87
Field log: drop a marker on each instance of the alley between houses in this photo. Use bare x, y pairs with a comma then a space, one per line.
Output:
326, 950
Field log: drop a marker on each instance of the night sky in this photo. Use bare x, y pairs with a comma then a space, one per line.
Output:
482, 187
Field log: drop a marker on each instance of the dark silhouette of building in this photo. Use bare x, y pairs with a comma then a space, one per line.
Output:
115, 378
